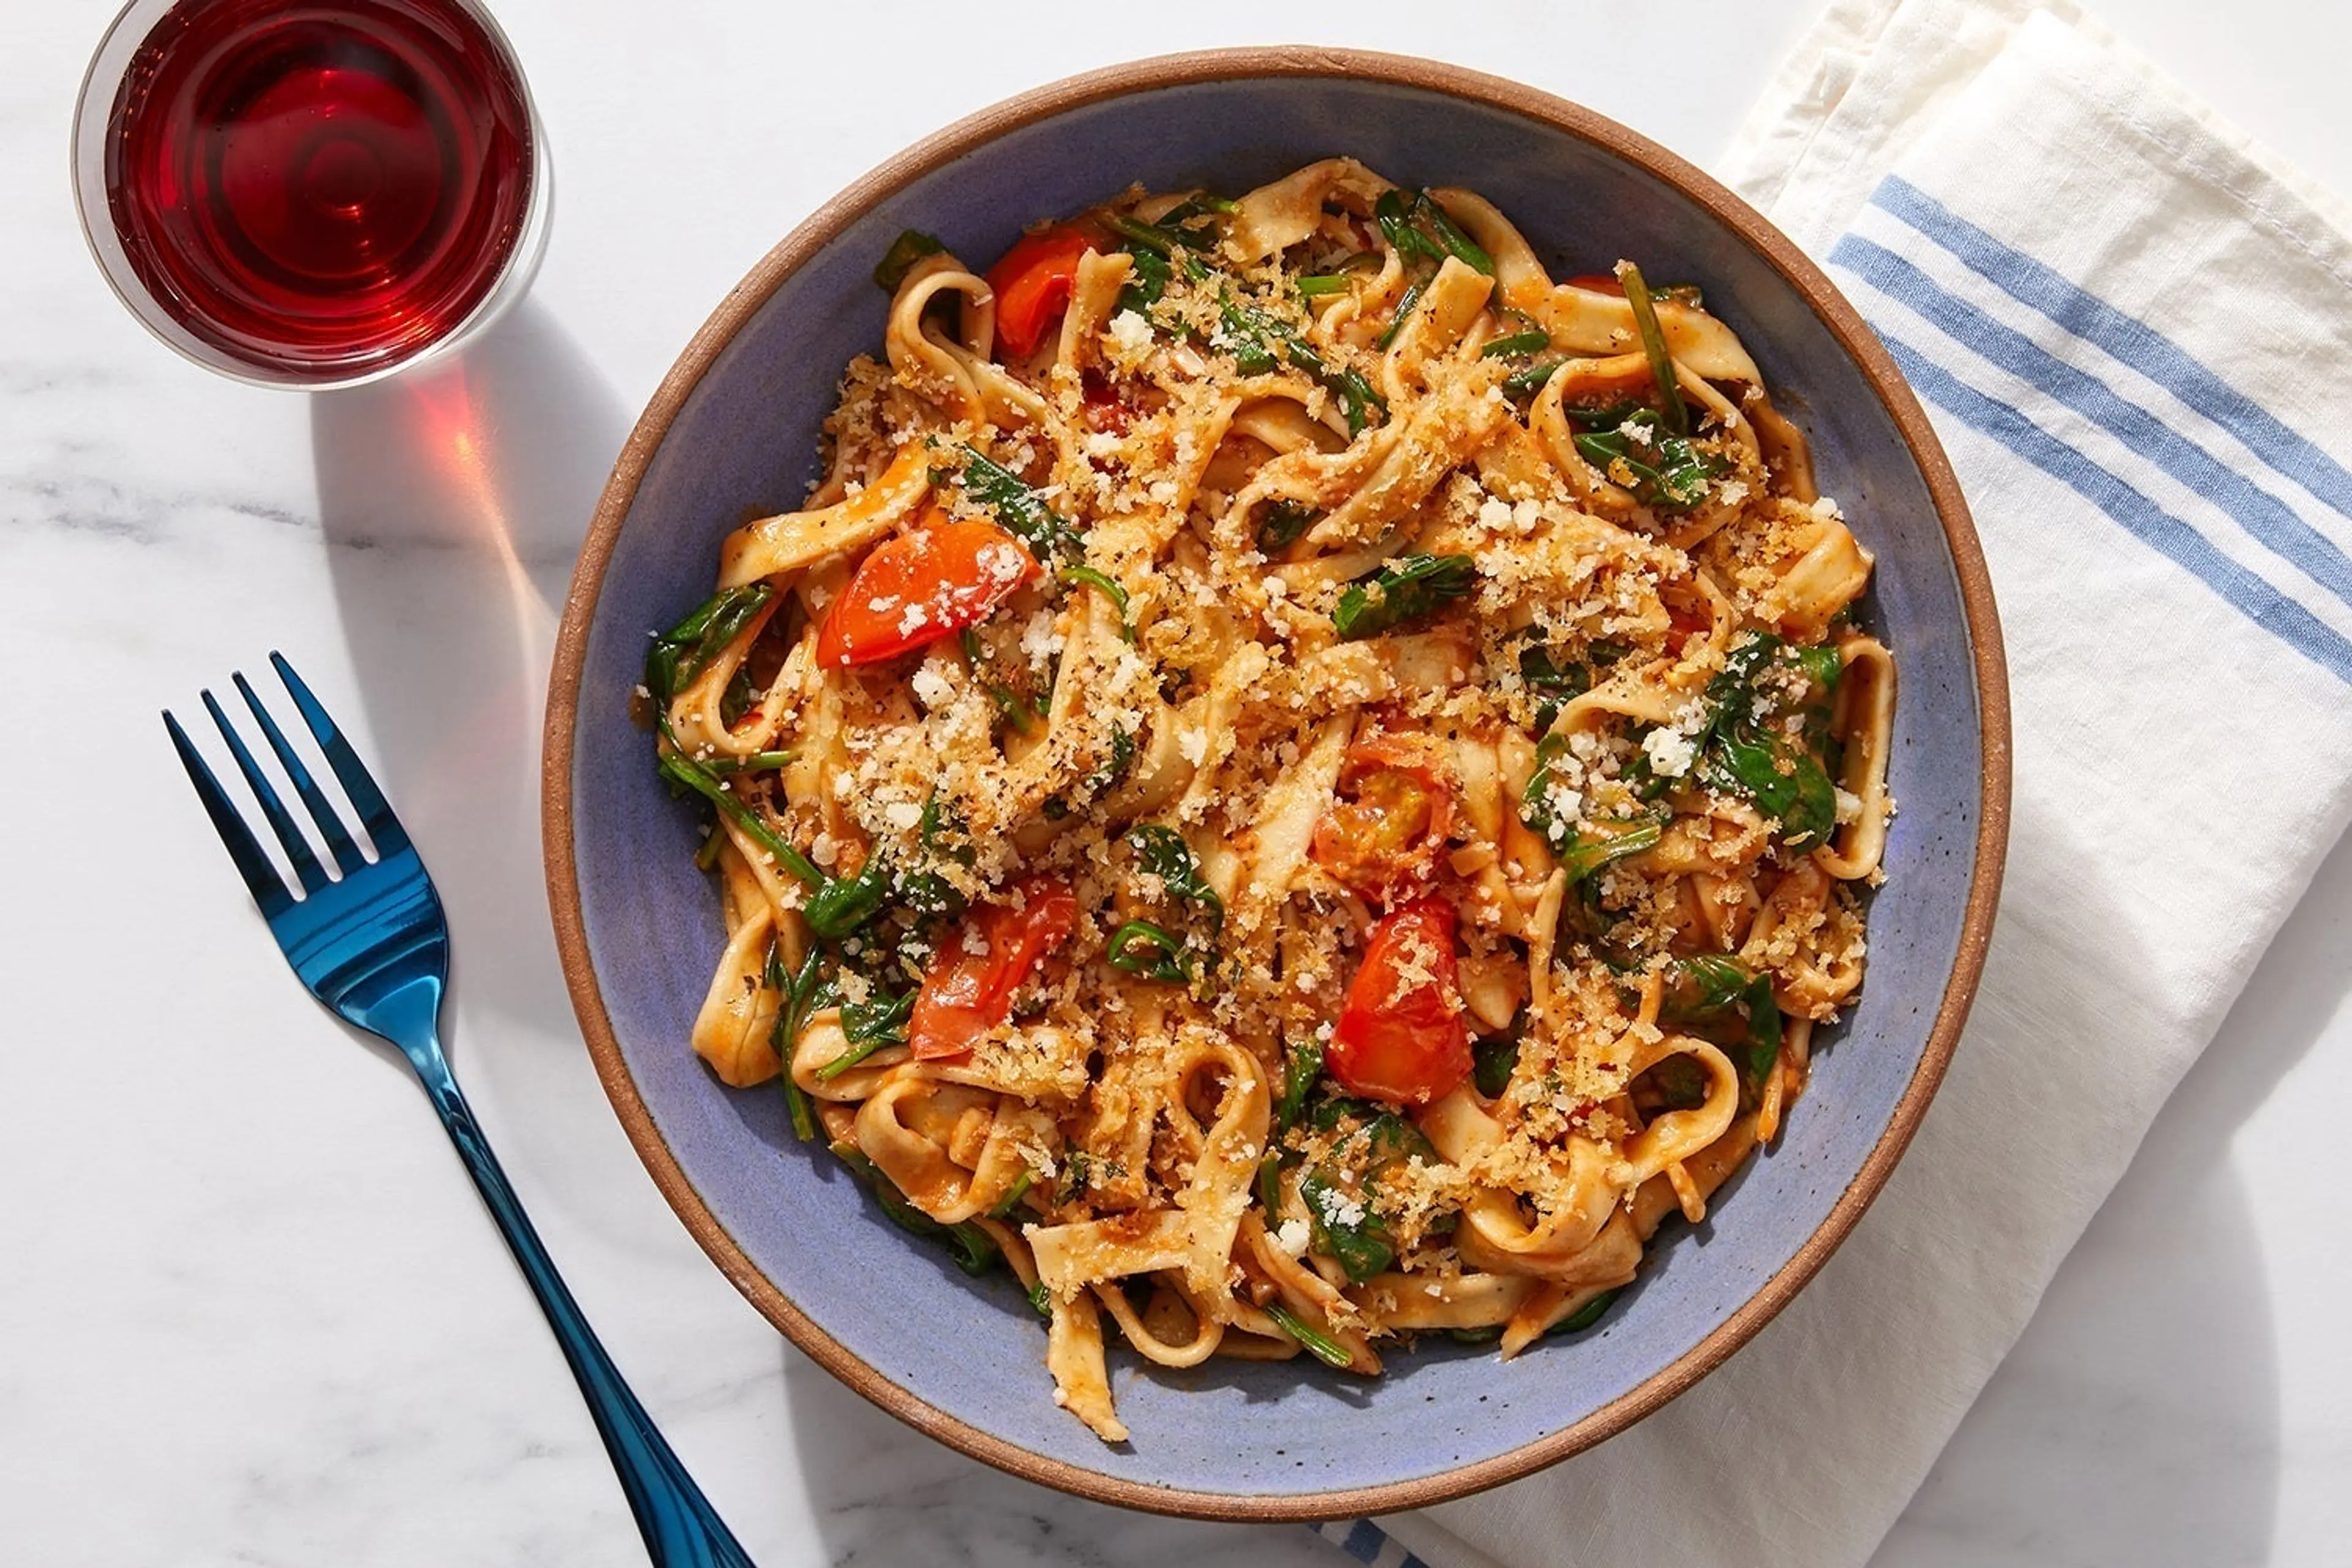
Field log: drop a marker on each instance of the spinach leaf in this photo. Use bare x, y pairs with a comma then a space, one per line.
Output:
683, 771
1397, 318
1153, 952
1653, 348
1157, 239
1148, 277
757, 763
1163, 853
1528, 380
1606, 413
1333, 1110
1373, 1142
911, 246
842, 904
973, 1249
737, 699
1680, 1081
1257, 339
1396, 226
1532, 342
1346, 1229
801, 995
1012, 707
1122, 756
1283, 524
1077, 1175
1106, 585
1584, 1317
1300, 1068
1494, 1060
1786, 777
1669, 474
880, 1020
1708, 986
1552, 682
1407, 587
1269, 1183
1009, 1205
1595, 845
1702, 986
1301, 1065
1020, 508
1319, 1345
1449, 235
1421, 229
1253, 337
940, 836
686, 651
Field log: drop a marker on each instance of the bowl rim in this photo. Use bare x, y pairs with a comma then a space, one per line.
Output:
1134, 77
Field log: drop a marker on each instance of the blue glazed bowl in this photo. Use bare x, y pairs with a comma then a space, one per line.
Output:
734, 430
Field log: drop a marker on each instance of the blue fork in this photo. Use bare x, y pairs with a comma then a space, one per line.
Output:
372, 945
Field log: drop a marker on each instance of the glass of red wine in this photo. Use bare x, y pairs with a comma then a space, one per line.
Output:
311, 192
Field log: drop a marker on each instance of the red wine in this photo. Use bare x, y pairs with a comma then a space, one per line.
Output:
320, 187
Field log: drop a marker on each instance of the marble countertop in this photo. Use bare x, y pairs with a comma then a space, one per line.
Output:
251, 1310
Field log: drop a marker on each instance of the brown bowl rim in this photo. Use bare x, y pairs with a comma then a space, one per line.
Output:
1149, 75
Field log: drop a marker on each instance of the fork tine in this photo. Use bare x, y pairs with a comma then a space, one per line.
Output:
261, 878
358, 782
298, 848
323, 812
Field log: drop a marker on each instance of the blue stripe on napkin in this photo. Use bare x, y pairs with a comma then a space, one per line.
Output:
2150, 523
2262, 514
1367, 1544
2129, 339
2061, 393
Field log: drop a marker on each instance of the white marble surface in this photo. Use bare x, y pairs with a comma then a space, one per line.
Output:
251, 1312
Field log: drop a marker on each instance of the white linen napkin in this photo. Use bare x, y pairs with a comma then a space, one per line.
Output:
2134, 333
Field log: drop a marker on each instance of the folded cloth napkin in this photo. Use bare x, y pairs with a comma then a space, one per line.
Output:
2134, 334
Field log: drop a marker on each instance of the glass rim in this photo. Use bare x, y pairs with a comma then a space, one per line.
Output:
94, 117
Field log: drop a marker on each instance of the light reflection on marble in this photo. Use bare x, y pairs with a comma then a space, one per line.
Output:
252, 1311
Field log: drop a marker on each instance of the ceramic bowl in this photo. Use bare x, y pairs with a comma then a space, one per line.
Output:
733, 432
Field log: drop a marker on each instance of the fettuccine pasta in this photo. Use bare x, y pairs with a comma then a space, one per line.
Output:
1298, 781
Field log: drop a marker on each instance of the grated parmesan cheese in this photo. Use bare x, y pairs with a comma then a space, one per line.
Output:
1132, 333
1671, 753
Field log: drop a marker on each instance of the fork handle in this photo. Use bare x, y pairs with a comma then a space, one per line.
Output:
680, 1527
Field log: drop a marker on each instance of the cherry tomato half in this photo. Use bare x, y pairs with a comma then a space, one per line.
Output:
1391, 823
1103, 408
1032, 283
928, 583
1400, 1036
969, 992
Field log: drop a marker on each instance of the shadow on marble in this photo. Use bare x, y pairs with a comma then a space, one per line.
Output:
2138, 1418
882, 1492
454, 499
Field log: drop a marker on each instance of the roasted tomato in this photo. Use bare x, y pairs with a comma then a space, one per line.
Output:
1400, 1036
928, 583
1103, 408
970, 988
1032, 283
1389, 824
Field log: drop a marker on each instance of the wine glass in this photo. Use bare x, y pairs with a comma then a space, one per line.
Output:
310, 195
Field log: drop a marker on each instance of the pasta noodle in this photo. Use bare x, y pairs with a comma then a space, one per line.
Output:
1298, 781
